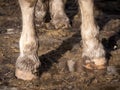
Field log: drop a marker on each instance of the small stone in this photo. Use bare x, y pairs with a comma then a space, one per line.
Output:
111, 70
71, 64
10, 31
46, 76
115, 47
16, 50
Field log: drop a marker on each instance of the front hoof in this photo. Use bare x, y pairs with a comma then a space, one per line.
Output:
27, 66
24, 75
92, 65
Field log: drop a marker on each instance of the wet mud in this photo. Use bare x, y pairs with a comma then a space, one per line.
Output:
60, 47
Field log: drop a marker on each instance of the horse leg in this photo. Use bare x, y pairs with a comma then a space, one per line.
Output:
28, 61
93, 52
40, 11
59, 18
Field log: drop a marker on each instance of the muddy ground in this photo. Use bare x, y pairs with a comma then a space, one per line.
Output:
58, 47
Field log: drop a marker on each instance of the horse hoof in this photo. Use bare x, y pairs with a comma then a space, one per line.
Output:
24, 75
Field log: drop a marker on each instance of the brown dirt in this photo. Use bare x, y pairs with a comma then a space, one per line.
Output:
58, 47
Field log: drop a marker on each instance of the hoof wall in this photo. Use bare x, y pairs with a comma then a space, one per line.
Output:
91, 66
24, 75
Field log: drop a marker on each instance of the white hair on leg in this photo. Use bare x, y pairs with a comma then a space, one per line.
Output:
92, 47
28, 61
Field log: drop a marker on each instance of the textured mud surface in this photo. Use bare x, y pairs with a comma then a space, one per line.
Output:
57, 47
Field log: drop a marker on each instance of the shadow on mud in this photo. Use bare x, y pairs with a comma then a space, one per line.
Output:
53, 56
111, 44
